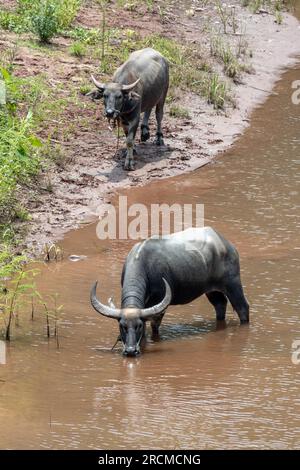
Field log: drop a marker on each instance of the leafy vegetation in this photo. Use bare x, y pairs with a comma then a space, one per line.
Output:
19, 150
78, 49
44, 21
15, 289
45, 18
217, 92
18, 295
179, 112
233, 67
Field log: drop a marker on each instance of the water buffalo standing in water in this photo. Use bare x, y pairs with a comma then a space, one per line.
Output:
170, 271
137, 86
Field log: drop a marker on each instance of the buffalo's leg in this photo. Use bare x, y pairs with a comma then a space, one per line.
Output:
219, 301
145, 133
155, 324
159, 112
125, 128
129, 161
235, 294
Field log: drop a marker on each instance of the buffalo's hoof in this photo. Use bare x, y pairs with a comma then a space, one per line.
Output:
220, 317
155, 336
124, 152
159, 139
145, 134
129, 165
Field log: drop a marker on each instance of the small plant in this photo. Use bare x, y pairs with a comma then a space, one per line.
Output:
279, 5
66, 12
77, 49
52, 317
88, 36
19, 150
242, 48
224, 14
256, 5
278, 17
85, 88
216, 92
14, 293
149, 4
223, 52
45, 21
179, 112
13, 21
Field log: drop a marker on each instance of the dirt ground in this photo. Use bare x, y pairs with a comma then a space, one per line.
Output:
93, 170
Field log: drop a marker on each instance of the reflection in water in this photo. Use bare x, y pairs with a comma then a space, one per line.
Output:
200, 386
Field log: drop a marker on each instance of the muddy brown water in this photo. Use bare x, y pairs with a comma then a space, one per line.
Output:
199, 386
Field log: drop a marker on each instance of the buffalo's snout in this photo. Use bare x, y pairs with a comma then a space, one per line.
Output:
131, 351
109, 113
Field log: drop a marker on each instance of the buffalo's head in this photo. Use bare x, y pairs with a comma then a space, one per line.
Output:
115, 96
131, 319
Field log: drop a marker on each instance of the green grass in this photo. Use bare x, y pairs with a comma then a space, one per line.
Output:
78, 49
30, 103
88, 36
189, 70
19, 147
12, 21
45, 18
272, 6
223, 52
217, 92
179, 112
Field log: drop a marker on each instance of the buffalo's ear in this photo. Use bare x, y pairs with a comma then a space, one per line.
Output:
132, 95
95, 94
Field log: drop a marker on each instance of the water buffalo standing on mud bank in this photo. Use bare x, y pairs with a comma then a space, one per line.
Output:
139, 85
174, 270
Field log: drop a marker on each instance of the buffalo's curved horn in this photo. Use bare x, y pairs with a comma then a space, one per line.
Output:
131, 86
101, 308
99, 85
156, 309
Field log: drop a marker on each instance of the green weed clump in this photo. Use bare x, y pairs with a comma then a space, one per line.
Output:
78, 49
216, 91
12, 21
179, 112
19, 149
66, 11
44, 21
223, 52
45, 18
16, 288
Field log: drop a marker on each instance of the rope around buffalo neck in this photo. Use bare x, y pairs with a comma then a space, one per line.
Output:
118, 339
118, 123
118, 134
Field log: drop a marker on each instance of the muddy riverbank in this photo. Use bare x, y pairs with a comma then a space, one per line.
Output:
95, 171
